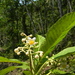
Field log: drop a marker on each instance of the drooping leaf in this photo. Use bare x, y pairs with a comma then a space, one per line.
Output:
60, 54
64, 52
59, 72
11, 68
6, 70
3, 59
56, 71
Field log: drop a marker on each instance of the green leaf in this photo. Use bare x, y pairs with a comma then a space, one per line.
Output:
6, 70
64, 52
11, 68
25, 65
40, 39
57, 32
3, 59
56, 71
27, 72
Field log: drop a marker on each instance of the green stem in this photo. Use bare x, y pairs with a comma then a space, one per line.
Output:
31, 63
40, 69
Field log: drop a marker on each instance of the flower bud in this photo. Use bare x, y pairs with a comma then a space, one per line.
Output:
16, 50
36, 56
18, 53
41, 54
23, 34
27, 53
19, 48
23, 39
30, 35
47, 57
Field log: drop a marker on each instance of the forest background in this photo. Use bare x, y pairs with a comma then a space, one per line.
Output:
31, 17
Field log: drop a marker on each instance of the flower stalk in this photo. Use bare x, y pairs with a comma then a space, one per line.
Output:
31, 63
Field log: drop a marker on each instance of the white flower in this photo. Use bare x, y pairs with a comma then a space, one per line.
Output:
23, 39
31, 41
36, 56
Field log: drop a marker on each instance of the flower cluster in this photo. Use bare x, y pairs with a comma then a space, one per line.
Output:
39, 54
50, 61
29, 45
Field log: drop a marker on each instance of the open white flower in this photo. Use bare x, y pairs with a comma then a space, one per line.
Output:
31, 41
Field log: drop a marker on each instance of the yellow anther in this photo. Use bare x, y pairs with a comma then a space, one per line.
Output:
31, 42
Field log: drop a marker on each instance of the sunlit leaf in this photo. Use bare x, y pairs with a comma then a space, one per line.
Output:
3, 59
64, 52
6, 70
57, 32
56, 71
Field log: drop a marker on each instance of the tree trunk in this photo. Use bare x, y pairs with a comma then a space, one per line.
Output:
24, 18
60, 7
69, 5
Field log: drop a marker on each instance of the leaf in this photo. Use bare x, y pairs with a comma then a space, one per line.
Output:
40, 39
11, 68
27, 72
64, 52
57, 32
25, 65
3, 59
6, 70
56, 71
58, 55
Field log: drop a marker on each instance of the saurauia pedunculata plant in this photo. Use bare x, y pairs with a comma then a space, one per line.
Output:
38, 48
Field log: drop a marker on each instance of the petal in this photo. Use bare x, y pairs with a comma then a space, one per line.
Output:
34, 38
28, 38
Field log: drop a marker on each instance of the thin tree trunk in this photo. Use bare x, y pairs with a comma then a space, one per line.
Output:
60, 7
41, 22
52, 10
31, 20
69, 5
24, 18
